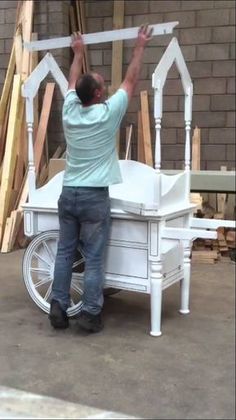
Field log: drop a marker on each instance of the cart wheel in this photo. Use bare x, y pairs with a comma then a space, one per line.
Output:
38, 270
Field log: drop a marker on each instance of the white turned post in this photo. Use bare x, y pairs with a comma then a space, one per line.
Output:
30, 125
187, 159
157, 162
156, 297
185, 282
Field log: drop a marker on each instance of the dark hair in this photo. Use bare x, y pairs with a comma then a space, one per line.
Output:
85, 88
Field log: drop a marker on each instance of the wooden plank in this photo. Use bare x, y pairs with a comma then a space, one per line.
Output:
83, 31
27, 22
117, 46
10, 154
146, 128
196, 152
4, 131
9, 239
73, 25
43, 122
141, 157
129, 131
221, 198
33, 63
18, 49
6, 89
7, 235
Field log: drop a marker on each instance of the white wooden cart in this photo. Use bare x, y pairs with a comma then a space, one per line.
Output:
152, 218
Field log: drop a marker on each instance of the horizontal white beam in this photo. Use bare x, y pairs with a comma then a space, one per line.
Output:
211, 223
189, 234
99, 37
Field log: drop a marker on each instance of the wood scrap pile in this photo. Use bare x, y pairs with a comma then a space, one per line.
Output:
13, 132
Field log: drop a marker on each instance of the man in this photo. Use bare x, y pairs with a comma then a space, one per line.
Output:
90, 127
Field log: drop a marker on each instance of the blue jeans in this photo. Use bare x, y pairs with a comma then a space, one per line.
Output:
84, 217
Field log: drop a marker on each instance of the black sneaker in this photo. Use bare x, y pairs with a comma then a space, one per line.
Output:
90, 322
58, 316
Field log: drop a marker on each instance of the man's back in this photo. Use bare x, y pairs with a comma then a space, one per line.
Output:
91, 143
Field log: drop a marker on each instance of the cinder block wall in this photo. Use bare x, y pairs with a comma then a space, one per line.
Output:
206, 33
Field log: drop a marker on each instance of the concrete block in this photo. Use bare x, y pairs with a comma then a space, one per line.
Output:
57, 6
173, 119
173, 153
195, 5
212, 52
2, 16
170, 103
215, 166
189, 52
2, 76
60, 29
133, 7
55, 17
108, 23
230, 119
6, 30
209, 85
107, 57
230, 153
213, 17
224, 34
224, 4
151, 54
8, 4
200, 103
10, 16
232, 17
173, 87
185, 19
105, 8
232, 51
204, 119
8, 45
95, 57
231, 85
198, 69
223, 68
2, 50
94, 25
169, 136
195, 36
213, 152
222, 102
167, 164
4, 60
221, 135
40, 18
147, 18
164, 6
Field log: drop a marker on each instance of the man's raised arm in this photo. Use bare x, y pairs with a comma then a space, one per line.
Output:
77, 46
133, 71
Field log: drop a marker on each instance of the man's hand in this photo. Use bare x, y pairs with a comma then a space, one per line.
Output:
77, 43
144, 35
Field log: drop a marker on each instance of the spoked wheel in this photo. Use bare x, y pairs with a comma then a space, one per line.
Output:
38, 270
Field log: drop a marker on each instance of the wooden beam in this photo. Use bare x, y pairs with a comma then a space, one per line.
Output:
27, 22
141, 157
146, 128
129, 131
6, 88
10, 154
82, 28
99, 37
196, 149
117, 46
43, 122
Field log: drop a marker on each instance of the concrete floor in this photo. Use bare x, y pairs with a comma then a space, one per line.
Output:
186, 373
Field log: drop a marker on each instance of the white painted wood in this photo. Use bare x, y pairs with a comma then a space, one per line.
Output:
99, 37
211, 223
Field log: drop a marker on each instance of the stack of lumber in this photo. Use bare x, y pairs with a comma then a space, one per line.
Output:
77, 23
13, 133
211, 250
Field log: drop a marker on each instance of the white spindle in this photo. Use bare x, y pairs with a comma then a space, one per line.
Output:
158, 144
187, 145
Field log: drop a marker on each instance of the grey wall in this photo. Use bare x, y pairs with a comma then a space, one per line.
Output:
206, 33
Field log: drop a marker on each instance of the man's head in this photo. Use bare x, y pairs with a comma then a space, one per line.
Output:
90, 89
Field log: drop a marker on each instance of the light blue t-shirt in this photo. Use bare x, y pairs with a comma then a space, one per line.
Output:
90, 132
